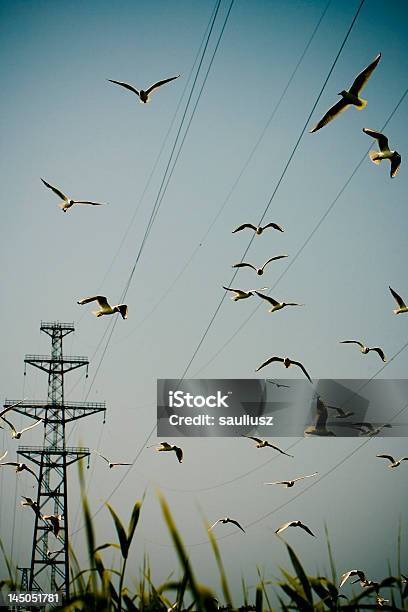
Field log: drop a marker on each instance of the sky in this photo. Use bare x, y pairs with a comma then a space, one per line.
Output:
62, 121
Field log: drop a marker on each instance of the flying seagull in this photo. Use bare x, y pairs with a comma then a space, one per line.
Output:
165, 446
350, 97
277, 385
355, 572
106, 308
381, 601
51, 553
259, 271
258, 229
341, 414
226, 520
294, 524
144, 95
68, 202
110, 463
20, 467
54, 519
290, 483
402, 306
276, 305
320, 426
393, 462
240, 294
368, 429
365, 349
384, 152
16, 435
286, 362
27, 501
11, 407
264, 443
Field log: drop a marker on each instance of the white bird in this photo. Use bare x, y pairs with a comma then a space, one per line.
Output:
144, 95
54, 553
240, 294
16, 435
290, 483
286, 362
54, 519
11, 407
67, 201
105, 307
366, 349
259, 271
368, 429
31, 504
393, 462
110, 463
350, 97
20, 467
258, 229
295, 524
275, 304
264, 443
355, 572
402, 307
165, 446
384, 152
320, 426
227, 520
381, 601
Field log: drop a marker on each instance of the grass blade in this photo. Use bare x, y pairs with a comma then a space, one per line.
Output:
300, 574
221, 569
120, 531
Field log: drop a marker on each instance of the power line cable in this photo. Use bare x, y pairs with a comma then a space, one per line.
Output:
241, 173
289, 501
382, 368
207, 329
158, 202
306, 242
156, 205
250, 242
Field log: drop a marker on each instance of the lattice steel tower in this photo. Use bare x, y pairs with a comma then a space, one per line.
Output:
53, 458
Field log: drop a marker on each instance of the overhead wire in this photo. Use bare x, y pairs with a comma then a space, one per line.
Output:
262, 217
241, 173
381, 369
157, 204
162, 190
296, 496
151, 219
147, 184
166, 137
291, 156
308, 239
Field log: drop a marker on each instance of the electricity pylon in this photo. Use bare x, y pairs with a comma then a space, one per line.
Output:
53, 458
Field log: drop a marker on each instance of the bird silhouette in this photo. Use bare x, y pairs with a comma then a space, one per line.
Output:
349, 97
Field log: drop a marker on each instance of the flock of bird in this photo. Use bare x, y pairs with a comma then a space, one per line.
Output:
350, 97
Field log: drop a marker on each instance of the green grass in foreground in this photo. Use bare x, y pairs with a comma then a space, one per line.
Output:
102, 589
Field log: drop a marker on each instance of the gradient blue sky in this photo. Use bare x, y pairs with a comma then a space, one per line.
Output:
61, 120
